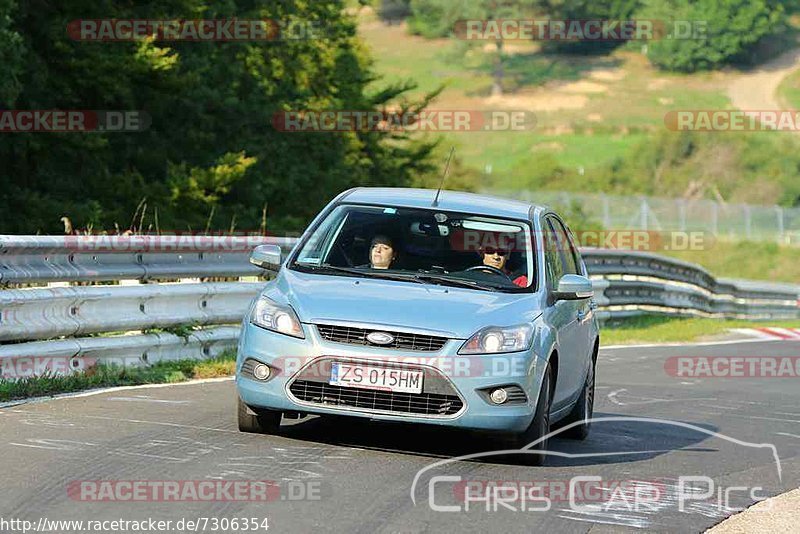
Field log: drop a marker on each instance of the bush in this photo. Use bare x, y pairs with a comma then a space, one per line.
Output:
737, 167
580, 222
733, 28
616, 10
436, 18
392, 11
459, 176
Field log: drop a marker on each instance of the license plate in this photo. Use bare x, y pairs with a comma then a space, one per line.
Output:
369, 377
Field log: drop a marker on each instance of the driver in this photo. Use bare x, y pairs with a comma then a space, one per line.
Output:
497, 258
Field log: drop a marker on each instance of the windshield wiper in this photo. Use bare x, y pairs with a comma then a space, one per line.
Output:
325, 268
458, 282
358, 272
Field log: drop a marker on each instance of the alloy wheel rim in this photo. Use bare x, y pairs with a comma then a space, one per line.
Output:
589, 407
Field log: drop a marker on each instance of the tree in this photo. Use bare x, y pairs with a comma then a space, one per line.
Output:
210, 153
586, 10
731, 28
11, 51
438, 18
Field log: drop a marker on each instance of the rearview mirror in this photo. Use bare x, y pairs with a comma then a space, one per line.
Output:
266, 257
574, 287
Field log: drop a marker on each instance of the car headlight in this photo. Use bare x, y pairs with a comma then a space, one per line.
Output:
496, 340
276, 317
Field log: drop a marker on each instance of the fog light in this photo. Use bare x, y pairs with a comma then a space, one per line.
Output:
499, 396
261, 371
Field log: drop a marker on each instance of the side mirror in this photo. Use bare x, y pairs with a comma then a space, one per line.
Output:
266, 257
574, 287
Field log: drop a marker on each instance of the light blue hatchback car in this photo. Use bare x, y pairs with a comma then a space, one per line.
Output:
406, 305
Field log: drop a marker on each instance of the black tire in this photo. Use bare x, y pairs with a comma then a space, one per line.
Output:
582, 411
540, 425
263, 422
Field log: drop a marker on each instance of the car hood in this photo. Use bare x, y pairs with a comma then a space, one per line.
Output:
451, 311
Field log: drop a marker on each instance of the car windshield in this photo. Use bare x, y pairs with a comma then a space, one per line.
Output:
421, 246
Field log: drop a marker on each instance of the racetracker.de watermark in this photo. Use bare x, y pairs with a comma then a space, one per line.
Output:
573, 30
193, 490
498, 366
21, 367
637, 240
178, 241
720, 120
429, 120
73, 121
733, 366
195, 29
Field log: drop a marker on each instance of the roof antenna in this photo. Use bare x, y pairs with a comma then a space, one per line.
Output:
446, 168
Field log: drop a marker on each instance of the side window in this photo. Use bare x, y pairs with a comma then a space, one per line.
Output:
567, 250
574, 249
552, 259
315, 250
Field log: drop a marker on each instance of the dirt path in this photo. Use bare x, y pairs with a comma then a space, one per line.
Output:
757, 90
778, 515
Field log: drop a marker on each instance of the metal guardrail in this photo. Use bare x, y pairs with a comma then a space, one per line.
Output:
44, 324
622, 262
64, 356
40, 259
44, 313
626, 283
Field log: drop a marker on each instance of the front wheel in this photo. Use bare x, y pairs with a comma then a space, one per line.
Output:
583, 410
261, 422
539, 427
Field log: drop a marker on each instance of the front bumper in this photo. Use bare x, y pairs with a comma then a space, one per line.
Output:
468, 376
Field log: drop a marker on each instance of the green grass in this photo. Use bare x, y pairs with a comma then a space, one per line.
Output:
661, 329
590, 109
789, 90
101, 376
745, 259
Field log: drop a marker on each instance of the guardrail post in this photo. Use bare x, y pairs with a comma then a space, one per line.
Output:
715, 218
644, 213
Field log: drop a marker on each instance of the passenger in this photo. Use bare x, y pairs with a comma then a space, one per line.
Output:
381, 252
497, 258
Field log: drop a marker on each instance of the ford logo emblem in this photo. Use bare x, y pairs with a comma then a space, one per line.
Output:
380, 338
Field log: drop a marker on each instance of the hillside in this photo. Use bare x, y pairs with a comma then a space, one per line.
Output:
600, 120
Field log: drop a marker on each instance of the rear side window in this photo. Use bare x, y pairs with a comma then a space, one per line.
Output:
569, 256
552, 258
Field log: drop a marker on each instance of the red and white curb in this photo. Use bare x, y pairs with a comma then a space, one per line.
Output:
771, 333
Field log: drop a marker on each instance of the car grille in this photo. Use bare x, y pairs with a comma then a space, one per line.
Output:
402, 340
373, 400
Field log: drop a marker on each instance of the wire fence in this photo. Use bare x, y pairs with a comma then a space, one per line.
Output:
727, 221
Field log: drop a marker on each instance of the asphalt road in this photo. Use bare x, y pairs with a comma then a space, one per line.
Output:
357, 476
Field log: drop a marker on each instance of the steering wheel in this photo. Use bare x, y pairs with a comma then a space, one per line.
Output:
490, 269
